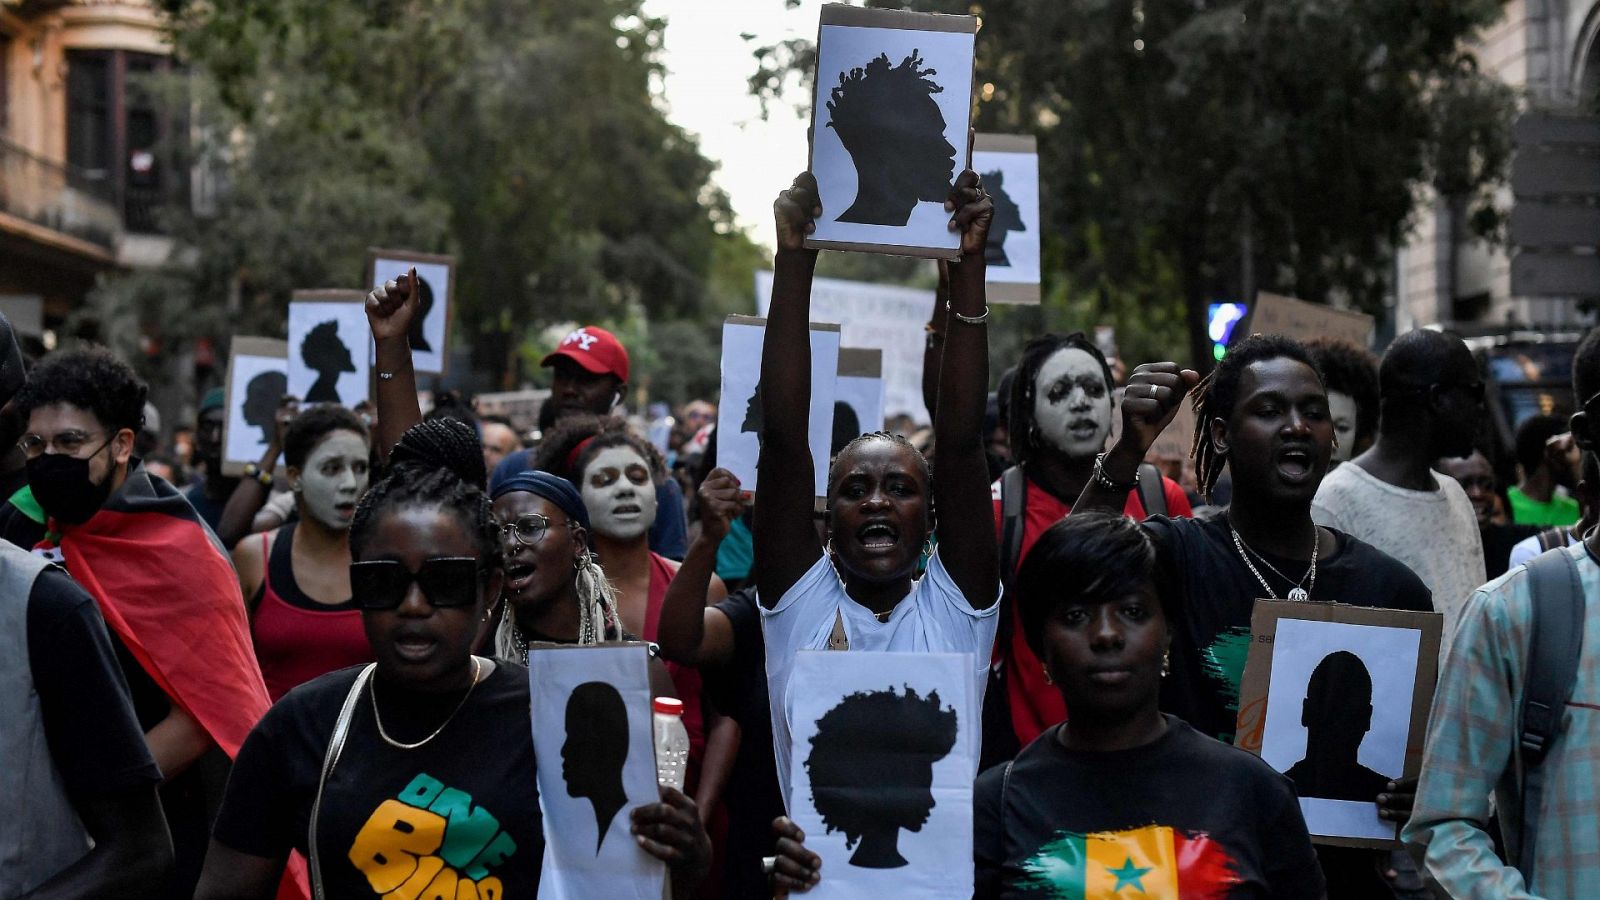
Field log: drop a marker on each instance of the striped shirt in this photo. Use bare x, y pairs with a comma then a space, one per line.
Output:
1471, 732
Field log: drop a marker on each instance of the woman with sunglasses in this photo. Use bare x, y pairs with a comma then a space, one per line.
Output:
414, 777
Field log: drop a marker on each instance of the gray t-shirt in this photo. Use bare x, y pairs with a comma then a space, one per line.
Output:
1434, 533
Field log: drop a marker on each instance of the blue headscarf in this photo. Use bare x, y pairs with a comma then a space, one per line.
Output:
554, 488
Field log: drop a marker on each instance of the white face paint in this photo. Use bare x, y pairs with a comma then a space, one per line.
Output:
1072, 403
1342, 407
334, 476
619, 494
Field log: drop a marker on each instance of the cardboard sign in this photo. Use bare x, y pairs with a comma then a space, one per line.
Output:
882, 316
1275, 314
1009, 165
596, 761
430, 331
330, 347
858, 394
889, 128
1336, 698
883, 757
258, 377
741, 417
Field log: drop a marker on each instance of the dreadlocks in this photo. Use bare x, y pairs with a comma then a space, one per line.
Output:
436, 463
1214, 397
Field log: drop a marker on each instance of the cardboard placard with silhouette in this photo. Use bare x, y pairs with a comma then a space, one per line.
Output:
258, 377
330, 347
1009, 164
885, 750
430, 330
857, 395
889, 128
885, 317
740, 416
1336, 698
596, 762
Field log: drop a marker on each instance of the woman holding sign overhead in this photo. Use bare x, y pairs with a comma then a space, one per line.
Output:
859, 590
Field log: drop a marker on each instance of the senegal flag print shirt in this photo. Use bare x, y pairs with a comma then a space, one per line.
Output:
1183, 817
457, 818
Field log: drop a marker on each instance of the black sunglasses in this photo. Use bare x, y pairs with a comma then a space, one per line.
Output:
447, 581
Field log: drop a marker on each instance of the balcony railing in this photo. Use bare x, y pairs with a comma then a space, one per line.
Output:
49, 194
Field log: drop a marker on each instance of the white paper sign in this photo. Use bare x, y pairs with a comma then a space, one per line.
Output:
884, 754
740, 414
596, 759
429, 335
329, 347
858, 393
889, 130
1352, 685
887, 317
1012, 181
258, 377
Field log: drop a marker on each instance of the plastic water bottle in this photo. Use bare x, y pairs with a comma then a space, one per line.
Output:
672, 741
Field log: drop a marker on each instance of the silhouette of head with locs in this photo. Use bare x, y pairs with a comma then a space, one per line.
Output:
261, 399
424, 306
327, 355
1337, 713
871, 769
889, 123
595, 750
1007, 218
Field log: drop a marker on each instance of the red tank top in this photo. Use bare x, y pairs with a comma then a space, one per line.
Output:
685, 678
297, 638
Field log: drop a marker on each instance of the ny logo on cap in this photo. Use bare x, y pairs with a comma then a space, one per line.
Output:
584, 339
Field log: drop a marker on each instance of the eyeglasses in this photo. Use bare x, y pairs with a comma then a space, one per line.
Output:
447, 581
528, 530
67, 443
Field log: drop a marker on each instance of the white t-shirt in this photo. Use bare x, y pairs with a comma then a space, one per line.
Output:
1434, 533
934, 618
1527, 548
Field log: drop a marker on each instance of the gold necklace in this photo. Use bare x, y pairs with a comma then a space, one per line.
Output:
476, 669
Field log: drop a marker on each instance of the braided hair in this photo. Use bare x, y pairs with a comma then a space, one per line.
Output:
436, 463
1216, 395
892, 437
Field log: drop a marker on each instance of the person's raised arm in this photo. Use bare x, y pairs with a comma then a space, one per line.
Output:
933, 346
1151, 400
690, 632
390, 310
961, 498
785, 541
238, 515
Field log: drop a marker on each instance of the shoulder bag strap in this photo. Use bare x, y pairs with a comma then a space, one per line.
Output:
335, 744
1152, 490
1552, 538
1553, 649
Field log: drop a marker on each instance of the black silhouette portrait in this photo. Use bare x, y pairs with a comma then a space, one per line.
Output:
261, 398
1337, 714
889, 123
595, 750
871, 769
846, 427
1007, 218
424, 306
753, 418
324, 353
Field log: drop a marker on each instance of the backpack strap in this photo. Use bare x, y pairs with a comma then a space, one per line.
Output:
1152, 490
1552, 538
1013, 519
1553, 649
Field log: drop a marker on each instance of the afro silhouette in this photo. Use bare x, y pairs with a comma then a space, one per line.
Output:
871, 769
327, 355
889, 123
1007, 218
261, 398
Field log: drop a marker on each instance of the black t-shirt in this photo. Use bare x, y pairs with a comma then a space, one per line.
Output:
1182, 816
739, 690
1215, 593
465, 806
94, 738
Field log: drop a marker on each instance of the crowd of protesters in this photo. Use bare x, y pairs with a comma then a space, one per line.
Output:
180, 644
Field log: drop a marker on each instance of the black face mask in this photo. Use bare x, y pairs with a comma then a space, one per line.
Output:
61, 485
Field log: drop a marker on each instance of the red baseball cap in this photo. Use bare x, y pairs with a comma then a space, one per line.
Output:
595, 349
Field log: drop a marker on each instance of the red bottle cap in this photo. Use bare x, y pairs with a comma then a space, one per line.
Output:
667, 706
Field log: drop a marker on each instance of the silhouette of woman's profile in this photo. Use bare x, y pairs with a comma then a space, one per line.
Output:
753, 418
261, 398
871, 769
888, 122
595, 750
424, 306
1007, 218
327, 355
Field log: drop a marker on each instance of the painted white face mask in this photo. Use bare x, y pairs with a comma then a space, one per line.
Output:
1342, 408
619, 494
334, 476
1072, 403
